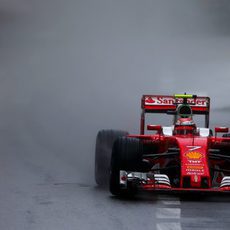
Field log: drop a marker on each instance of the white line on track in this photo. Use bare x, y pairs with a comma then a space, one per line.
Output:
168, 213
169, 226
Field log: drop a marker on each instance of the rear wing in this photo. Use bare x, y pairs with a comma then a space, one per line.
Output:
164, 104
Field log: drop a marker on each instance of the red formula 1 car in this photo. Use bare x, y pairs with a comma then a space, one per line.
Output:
181, 157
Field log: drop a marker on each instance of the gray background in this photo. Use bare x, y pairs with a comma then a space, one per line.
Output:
69, 68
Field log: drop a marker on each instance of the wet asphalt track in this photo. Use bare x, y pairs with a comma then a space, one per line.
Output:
69, 68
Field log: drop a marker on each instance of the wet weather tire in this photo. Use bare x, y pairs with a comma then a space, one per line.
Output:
127, 155
104, 144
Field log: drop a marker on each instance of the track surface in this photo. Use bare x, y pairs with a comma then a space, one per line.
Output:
69, 68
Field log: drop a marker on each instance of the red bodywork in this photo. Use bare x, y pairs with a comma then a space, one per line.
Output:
201, 162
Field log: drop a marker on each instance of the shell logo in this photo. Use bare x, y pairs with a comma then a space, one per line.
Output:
193, 155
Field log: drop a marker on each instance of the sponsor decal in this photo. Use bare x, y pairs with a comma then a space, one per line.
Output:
194, 171
193, 155
163, 100
149, 100
194, 161
195, 167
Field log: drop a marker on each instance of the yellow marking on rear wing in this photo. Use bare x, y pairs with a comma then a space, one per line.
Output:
185, 96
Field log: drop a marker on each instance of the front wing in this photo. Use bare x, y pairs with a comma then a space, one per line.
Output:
161, 183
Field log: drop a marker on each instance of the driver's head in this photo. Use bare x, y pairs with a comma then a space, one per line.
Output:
185, 121
184, 126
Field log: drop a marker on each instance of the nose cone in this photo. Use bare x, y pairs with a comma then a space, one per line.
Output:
194, 162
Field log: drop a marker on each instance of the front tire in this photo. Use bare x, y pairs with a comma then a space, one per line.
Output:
127, 155
103, 152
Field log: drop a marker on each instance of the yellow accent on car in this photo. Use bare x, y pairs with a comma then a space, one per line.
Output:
184, 96
193, 155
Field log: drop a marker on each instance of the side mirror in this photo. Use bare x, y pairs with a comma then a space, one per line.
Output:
157, 128
221, 130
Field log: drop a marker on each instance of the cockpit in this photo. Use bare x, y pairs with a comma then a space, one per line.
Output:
185, 130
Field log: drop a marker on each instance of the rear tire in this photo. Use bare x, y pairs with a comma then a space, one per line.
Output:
103, 152
127, 155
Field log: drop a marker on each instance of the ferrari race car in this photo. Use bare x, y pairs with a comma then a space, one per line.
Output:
177, 158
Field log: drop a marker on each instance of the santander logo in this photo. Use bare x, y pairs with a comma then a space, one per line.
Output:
149, 100
167, 100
